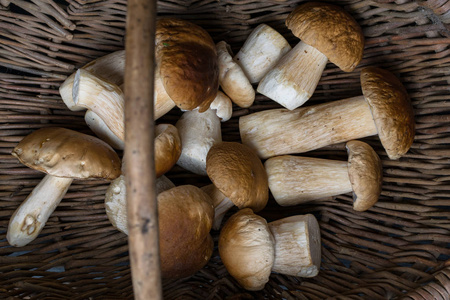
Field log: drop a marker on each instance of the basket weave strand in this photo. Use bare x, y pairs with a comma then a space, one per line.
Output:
399, 249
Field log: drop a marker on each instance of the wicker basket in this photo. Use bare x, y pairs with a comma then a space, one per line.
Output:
399, 249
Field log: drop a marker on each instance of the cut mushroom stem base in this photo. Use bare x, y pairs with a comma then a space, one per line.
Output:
297, 245
294, 79
28, 220
280, 131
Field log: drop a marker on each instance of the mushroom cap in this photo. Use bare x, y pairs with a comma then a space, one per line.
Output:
331, 30
239, 174
246, 247
186, 215
366, 174
66, 153
391, 110
188, 63
167, 148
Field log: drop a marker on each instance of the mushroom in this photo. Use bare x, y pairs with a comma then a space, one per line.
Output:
384, 109
185, 214
232, 78
200, 131
187, 59
251, 249
238, 177
295, 180
96, 124
116, 202
262, 49
326, 32
64, 155
167, 148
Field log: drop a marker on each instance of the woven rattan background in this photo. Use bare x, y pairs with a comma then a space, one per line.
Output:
399, 249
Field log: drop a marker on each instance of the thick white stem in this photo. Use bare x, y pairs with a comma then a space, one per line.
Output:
281, 131
294, 79
261, 51
221, 204
297, 245
103, 98
294, 180
99, 127
198, 133
28, 220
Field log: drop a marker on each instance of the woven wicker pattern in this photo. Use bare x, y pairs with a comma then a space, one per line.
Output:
399, 249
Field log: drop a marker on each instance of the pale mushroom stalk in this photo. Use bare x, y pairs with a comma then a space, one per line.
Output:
281, 131
104, 98
262, 49
295, 179
297, 245
294, 79
221, 203
384, 109
96, 124
200, 131
29, 219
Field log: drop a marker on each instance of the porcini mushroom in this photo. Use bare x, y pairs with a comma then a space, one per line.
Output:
116, 202
262, 49
251, 248
238, 177
96, 124
327, 32
200, 131
187, 58
294, 179
167, 148
232, 78
384, 109
64, 155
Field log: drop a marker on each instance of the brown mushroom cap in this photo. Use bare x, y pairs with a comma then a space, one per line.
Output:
366, 174
239, 174
167, 148
186, 215
331, 30
188, 63
391, 110
246, 247
66, 153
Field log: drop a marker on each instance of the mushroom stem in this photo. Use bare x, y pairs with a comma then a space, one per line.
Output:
100, 129
280, 131
295, 180
198, 133
297, 245
104, 98
295, 77
221, 204
28, 220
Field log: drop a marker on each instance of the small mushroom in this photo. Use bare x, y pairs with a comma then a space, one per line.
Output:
295, 180
116, 202
251, 248
261, 51
238, 177
384, 109
64, 155
327, 32
200, 131
232, 78
167, 148
187, 59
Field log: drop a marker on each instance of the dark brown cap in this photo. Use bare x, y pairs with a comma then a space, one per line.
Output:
331, 30
66, 153
167, 148
188, 63
391, 110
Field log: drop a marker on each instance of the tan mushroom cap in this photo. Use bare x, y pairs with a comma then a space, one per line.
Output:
331, 30
239, 174
186, 215
246, 248
167, 148
366, 174
63, 152
391, 110
188, 63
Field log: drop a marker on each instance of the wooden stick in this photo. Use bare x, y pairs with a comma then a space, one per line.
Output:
139, 150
